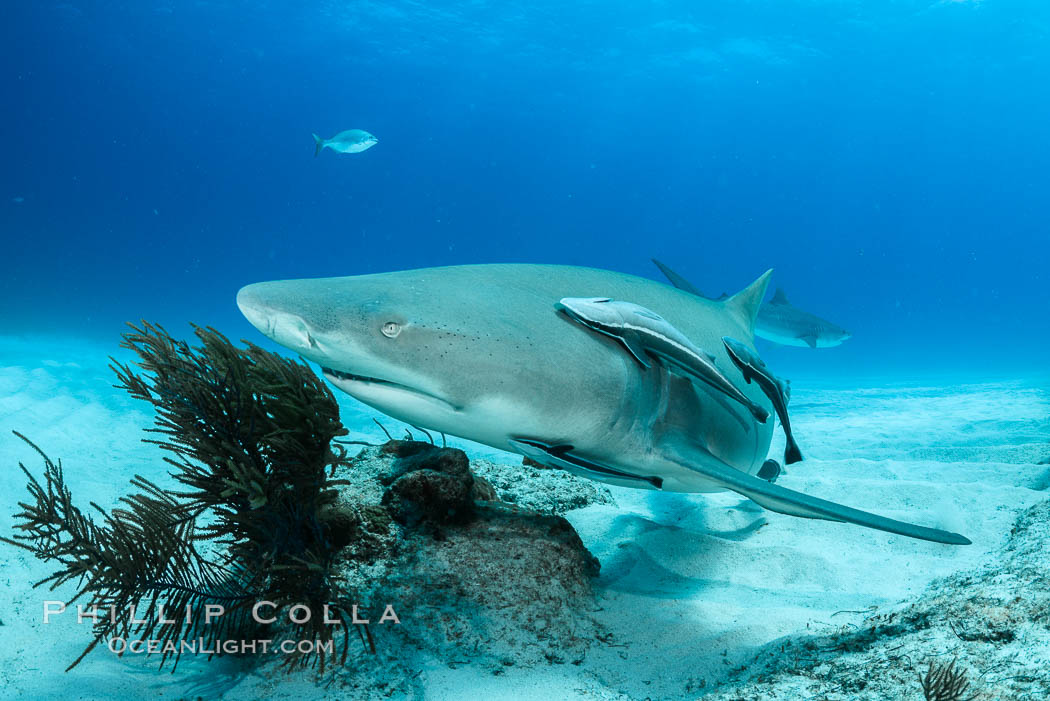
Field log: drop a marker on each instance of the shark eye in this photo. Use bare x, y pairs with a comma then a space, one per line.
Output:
391, 329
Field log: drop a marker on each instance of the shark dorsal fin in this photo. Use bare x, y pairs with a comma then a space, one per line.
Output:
745, 303
779, 297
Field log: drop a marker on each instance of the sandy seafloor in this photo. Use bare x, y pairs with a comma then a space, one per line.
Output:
693, 584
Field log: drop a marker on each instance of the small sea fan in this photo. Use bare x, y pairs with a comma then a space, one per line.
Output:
944, 682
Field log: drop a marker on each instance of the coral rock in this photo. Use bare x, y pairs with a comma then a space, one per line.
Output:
435, 486
483, 490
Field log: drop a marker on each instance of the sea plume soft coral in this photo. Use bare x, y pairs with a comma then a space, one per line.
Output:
944, 682
249, 435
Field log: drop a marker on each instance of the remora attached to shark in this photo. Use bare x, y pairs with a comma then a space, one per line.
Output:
778, 321
752, 368
645, 333
481, 352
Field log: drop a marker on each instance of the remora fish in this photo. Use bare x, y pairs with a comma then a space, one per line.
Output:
644, 332
777, 321
501, 369
753, 368
349, 141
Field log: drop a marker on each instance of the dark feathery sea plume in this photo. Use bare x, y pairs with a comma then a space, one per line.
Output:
249, 436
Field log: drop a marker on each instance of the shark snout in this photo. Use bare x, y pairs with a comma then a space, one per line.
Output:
286, 328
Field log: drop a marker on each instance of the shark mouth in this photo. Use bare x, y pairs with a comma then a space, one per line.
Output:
329, 372
337, 377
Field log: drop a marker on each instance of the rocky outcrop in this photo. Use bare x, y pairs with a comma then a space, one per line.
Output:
477, 567
992, 622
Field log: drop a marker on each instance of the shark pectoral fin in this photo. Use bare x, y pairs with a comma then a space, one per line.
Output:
810, 340
787, 501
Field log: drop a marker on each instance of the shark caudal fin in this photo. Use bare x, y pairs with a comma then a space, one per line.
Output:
318, 144
745, 303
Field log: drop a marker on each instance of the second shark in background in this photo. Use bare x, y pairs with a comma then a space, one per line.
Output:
778, 321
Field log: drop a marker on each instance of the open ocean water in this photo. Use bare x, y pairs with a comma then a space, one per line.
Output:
890, 161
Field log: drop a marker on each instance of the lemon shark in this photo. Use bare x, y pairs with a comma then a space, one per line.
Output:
781, 322
482, 352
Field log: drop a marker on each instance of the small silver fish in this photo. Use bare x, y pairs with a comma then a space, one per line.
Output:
349, 141
644, 332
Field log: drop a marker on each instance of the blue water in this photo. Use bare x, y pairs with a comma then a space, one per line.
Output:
890, 160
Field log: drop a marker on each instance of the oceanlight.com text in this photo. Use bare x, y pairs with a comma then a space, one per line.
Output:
200, 646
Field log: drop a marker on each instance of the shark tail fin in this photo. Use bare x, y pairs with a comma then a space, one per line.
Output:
745, 303
318, 144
